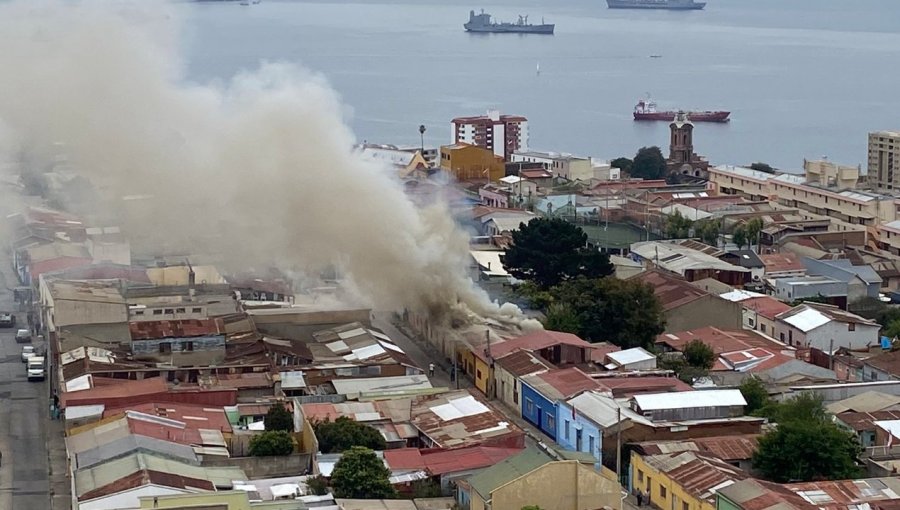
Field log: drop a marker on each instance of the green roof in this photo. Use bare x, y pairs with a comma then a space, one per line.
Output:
582, 457
488, 480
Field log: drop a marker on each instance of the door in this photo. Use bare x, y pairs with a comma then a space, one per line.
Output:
577, 440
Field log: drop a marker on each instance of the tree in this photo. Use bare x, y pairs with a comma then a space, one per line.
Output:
677, 226
531, 507
344, 433
708, 231
623, 164
271, 443
561, 317
360, 474
317, 485
805, 445
279, 418
756, 395
426, 488
739, 236
753, 228
649, 163
762, 167
698, 354
550, 250
624, 312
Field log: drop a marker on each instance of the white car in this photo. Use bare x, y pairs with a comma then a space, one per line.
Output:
27, 352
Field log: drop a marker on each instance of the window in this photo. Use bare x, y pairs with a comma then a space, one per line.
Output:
851, 326
640, 475
529, 406
662, 492
157, 312
751, 322
591, 444
188, 346
478, 374
566, 430
685, 506
139, 312
762, 327
196, 310
551, 422
782, 336
180, 310
170, 311
165, 347
515, 395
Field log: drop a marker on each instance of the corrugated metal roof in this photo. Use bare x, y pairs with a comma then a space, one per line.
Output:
489, 262
468, 420
807, 319
707, 398
698, 474
867, 402
485, 482
629, 356
353, 387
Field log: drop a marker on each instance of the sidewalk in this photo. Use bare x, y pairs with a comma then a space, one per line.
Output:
60, 487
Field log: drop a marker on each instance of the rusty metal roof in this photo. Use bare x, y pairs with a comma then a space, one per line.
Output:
699, 474
728, 448
460, 418
147, 330
522, 362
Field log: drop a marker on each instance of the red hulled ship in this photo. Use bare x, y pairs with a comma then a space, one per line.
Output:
646, 110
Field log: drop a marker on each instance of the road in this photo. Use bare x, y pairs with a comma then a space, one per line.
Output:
24, 407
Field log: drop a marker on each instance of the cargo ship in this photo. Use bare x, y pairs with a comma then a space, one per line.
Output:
646, 110
672, 5
482, 23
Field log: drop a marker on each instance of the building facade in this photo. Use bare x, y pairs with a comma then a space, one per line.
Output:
500, 134
884, 160
561, 165
467, 162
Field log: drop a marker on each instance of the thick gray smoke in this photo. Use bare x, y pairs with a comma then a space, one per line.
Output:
259, 168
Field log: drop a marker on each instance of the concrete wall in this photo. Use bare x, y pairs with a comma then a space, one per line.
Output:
68, 312
821, 337
264, 467
509, 389
706, 311
562, 485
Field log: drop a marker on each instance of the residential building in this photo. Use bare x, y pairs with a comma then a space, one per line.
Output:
405, 163
883, 170
240, 499
800, 287
747, 259
449, 466
867, 402
828, 174
759, 310
778, 265
882, 367
687, 307
501, 134
71, 303
635, 358
562, 165
752, 494
889, 240
534, 477
685, 480
691, 260
826, 328
508, 371
736, 180
180, 342
735, 450
460, 418
541, 393
864, 424
466, 162
862, 280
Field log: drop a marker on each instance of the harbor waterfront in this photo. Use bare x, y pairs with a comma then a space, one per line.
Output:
725, 57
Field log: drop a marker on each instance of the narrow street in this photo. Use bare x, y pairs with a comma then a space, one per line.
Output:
24, 405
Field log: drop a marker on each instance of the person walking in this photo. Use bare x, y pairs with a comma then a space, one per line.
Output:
431, 370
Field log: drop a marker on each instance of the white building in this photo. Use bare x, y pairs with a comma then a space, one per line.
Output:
825, 327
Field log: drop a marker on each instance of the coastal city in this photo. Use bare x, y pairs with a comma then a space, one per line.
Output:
218, 297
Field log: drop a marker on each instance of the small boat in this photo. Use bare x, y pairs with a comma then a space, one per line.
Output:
655, 56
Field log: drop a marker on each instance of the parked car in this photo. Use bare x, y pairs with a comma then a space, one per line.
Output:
7, 320
35, 370
23, 336
27, 352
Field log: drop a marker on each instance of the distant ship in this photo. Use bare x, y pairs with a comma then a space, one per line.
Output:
675, 5
646, 110
482, 23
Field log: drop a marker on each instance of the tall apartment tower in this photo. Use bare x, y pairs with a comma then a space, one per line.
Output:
501, 134
884, 160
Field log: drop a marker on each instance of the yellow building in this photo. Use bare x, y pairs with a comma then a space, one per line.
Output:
534, 478
682, 480
471, 163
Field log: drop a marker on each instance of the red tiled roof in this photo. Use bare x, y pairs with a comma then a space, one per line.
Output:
536, 341
112, 392
463, 459
404, 458
148, 330
564, 382
671, 291
766, 306
146, 477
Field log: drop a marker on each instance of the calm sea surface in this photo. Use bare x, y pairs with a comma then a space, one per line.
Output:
802, 78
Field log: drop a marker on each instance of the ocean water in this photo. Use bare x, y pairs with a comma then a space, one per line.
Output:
802, 78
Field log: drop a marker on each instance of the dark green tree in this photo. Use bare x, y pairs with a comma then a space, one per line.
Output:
753, 228
708, 231
623, 312
360, 474
649, 163
279, 418
547, 251
756, 395
699, 355
426, 488
271, 443
623, 164
344, 433
318, 485
762, 167
677, 226
739, 236
561, 317
805, 445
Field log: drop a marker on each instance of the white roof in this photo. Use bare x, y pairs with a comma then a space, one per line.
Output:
744, 172
78, 412
292, 380
891, 426
510, 224
511, 179
629, 356
678, 259
459, 408
390, 156
691, 213
353, 387
602, 409
791, 178
689, 399
807, 320
739, 295
489, 261
82, 382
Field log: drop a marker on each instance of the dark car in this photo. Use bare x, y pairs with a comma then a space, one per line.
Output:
7, 320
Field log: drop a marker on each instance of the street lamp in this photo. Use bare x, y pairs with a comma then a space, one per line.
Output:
422, 137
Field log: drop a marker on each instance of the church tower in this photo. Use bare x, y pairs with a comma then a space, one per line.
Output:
681, 144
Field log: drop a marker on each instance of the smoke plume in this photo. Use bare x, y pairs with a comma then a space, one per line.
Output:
259, 168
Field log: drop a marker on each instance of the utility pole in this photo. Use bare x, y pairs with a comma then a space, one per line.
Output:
619, 445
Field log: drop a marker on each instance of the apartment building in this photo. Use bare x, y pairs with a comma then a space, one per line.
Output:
884, 160
501, 134
560, 164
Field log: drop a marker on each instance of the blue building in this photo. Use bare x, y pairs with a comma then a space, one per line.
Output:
541, 394
578, 420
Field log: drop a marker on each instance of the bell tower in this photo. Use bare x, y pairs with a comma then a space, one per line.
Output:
681, 143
